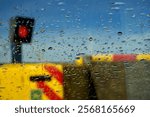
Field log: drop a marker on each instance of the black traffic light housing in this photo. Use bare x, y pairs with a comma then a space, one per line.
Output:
21, 29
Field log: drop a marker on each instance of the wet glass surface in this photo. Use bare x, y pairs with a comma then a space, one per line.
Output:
102, 46
65, 29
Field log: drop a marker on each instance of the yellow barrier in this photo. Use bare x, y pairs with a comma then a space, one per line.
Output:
31, 81
79, 60
106, 58
113, 58
140, 57
45, 80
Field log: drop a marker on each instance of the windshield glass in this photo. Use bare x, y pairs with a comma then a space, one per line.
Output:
65, 29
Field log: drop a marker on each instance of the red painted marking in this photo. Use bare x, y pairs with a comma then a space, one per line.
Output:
48, 91
45, 88
55, 72
124, 57
40, 85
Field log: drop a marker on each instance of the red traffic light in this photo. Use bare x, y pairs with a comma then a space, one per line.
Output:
23, 31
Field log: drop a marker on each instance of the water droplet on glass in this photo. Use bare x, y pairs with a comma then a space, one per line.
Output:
43, 50
60, 3
115, 8
90, 39
42, 9
50, 48
119, 3
119, 33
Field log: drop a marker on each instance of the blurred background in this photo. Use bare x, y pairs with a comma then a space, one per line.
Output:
65, 29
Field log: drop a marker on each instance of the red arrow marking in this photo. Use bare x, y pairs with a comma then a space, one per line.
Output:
55, 72
48, 91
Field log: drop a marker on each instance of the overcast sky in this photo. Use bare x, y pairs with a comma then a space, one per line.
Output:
66, 28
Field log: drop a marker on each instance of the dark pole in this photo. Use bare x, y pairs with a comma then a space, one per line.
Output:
16, 46
16, 52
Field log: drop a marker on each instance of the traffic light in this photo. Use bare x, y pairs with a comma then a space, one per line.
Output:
21, 29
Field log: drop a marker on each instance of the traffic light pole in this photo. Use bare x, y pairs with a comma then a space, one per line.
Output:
16, 52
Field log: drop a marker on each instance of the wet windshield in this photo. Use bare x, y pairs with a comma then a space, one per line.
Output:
65, 29
75, 49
